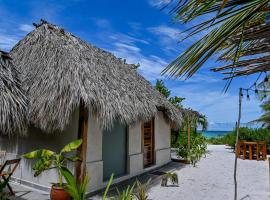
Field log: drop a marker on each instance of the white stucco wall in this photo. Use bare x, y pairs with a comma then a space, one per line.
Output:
162, 140
37, 139
94, 163
135, 155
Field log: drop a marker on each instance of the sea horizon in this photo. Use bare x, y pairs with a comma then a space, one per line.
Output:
214, 133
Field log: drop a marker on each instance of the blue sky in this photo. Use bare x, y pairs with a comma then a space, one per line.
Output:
140, 33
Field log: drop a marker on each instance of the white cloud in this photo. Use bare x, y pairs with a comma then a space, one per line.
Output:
202, 77
158, 3
128, 48
167, 38
26, 28
150, 66
7, 41
102, 23
218, 107
135, 26
166, 31
127, 38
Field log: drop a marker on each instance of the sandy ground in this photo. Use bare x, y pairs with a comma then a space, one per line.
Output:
212, 179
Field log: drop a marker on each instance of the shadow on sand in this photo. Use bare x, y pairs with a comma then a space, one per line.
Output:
154, 175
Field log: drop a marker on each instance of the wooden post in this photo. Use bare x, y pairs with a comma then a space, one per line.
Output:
269, 172
236, 142
82, 134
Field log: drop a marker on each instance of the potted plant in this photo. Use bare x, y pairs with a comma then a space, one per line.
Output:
47, 159
76, 190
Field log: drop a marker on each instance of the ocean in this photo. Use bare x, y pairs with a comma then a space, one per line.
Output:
210, 134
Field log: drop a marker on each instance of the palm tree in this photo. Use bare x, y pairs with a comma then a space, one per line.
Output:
225, 19
265, 118
191, 120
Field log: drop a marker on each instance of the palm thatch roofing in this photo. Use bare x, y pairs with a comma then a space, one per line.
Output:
13, 102
60, 71
256, 43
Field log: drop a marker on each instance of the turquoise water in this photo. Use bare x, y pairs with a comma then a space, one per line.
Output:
210, 134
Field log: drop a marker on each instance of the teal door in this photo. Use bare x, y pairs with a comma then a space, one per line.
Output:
114, 151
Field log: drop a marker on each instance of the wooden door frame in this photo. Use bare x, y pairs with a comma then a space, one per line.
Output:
153, 142
82, 134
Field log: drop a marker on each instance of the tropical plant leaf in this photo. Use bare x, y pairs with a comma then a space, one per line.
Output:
107, 188
41, 165
232, 16
72, 146
74, 159
39, 154
77, 191
71, 186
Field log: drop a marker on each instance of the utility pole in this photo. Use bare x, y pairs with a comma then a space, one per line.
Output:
236, 142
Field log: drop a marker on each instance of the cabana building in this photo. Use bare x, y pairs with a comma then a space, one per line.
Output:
76, 90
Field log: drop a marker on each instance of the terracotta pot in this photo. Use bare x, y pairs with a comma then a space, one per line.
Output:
58, 193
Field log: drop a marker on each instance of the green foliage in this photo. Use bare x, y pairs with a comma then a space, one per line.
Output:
104, 197
228, 139
129, 193
141, 190
126, 194
169, 176
160, 86
224, 20
71, 146
265, 118
198, 147
3, 185
176, 101
47, 159
249, 134
76, 191
42, 153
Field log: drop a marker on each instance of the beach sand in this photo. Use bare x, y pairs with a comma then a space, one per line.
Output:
212, 179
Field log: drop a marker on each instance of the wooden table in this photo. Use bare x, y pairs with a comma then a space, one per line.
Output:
244, 146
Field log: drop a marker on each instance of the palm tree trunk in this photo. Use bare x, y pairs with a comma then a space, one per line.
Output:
188, 135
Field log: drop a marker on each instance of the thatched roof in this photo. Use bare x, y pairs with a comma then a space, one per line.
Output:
13, 103
61, 70
256, 43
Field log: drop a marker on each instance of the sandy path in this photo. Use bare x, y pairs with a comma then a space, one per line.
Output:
212, 179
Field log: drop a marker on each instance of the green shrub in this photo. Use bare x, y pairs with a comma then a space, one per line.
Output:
198, 147
249, 134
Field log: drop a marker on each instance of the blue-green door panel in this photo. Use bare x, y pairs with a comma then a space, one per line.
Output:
114, 151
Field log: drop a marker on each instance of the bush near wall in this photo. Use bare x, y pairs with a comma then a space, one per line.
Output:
198, 146
249, 134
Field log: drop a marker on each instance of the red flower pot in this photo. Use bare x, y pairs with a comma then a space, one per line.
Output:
58, 193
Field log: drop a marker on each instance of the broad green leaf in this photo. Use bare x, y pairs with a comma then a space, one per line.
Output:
68, 176
41, 165
74, 159
72, 146
78, 192
39, 154
73, 192
107, 188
